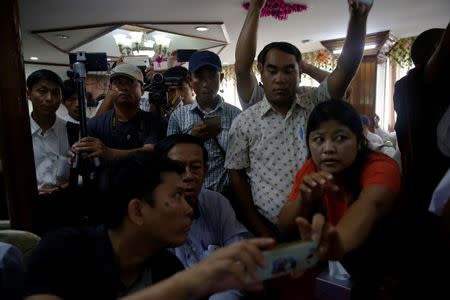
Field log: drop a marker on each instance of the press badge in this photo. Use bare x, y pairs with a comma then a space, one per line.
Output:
301, 133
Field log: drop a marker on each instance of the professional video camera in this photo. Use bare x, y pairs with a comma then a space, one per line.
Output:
158, 88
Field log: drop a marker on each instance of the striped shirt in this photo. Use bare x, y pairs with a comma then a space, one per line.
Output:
186, 117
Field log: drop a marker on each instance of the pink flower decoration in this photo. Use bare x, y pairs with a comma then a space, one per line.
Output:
159, 59
278, 9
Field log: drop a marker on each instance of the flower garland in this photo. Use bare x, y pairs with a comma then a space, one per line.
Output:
278, 9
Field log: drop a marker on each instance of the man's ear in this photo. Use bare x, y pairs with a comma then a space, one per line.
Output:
260, 68
28, 94
134, 211
221, 76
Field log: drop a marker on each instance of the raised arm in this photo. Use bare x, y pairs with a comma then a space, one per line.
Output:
246, 51
352, 51
440, 60
315, 73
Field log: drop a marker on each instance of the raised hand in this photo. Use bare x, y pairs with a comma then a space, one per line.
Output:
330, 243
229, 267
314, 186
360, 7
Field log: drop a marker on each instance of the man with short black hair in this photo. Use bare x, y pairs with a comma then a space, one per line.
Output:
215, 224
70, 101
267, 141
145, 212
49, 133
206, 74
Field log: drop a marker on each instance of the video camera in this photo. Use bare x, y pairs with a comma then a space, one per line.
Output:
159, 86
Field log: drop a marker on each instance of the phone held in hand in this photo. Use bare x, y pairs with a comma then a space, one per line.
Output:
213, 121
287, 258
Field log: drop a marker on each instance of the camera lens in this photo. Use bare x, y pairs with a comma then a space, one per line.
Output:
158, 78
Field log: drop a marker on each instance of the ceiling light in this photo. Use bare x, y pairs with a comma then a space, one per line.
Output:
62, 36
201, 28
108, 59
366, 47
34, 58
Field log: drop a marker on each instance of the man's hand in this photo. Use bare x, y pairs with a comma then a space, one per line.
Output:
149, 71
330, 244
360, 7
314, 185
205, 132
93, 146
229, 267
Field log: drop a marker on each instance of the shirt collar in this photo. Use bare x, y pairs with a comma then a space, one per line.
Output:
195, 105
266, 106
35, 126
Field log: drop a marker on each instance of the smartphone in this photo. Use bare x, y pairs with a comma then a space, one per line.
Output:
137, 60
213, 121
287, 258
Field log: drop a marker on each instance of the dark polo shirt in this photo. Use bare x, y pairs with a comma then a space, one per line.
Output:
79, 263
144, 128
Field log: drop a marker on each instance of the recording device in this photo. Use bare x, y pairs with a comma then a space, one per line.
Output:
213, 121
95, 61
158, 88
287, 258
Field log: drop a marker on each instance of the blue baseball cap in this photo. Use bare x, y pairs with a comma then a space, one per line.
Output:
204, 58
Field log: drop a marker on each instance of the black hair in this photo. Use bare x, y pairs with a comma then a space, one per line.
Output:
43, 74
134, 177
69, 89
177, 71
424, 45
164, 146
282, 46
345, 114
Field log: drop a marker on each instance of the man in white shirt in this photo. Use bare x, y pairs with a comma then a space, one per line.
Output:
49, 133
267, 143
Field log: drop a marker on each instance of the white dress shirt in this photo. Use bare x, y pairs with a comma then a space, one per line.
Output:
51, 153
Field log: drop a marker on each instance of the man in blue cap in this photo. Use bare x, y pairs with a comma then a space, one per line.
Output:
209, 118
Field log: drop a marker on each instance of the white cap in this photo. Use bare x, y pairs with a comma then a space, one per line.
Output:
129, 71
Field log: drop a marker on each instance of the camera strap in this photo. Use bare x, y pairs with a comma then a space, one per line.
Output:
202, 116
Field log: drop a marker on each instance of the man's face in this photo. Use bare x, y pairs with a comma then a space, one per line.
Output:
129, 91
191, 157
280, 76
72, 106
175, 92
46, 97
169, 220
205, 82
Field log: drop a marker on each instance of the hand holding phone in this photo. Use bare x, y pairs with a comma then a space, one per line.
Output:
287, 258
213, 121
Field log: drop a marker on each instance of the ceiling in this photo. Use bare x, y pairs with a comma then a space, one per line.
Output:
324, 19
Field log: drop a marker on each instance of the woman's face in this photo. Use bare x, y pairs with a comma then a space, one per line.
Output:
333, 147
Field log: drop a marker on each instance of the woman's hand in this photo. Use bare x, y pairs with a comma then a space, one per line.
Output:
330, 243
314, 185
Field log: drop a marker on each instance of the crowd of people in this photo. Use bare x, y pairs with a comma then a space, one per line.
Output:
183, 203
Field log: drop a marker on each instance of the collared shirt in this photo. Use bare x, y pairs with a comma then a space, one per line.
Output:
143, 129
68, 118
216, 226
80, 263
272, 147
186, 117
443, 133
51, 153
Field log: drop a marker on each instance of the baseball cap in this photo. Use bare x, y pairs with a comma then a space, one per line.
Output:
129, 71
204, 58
